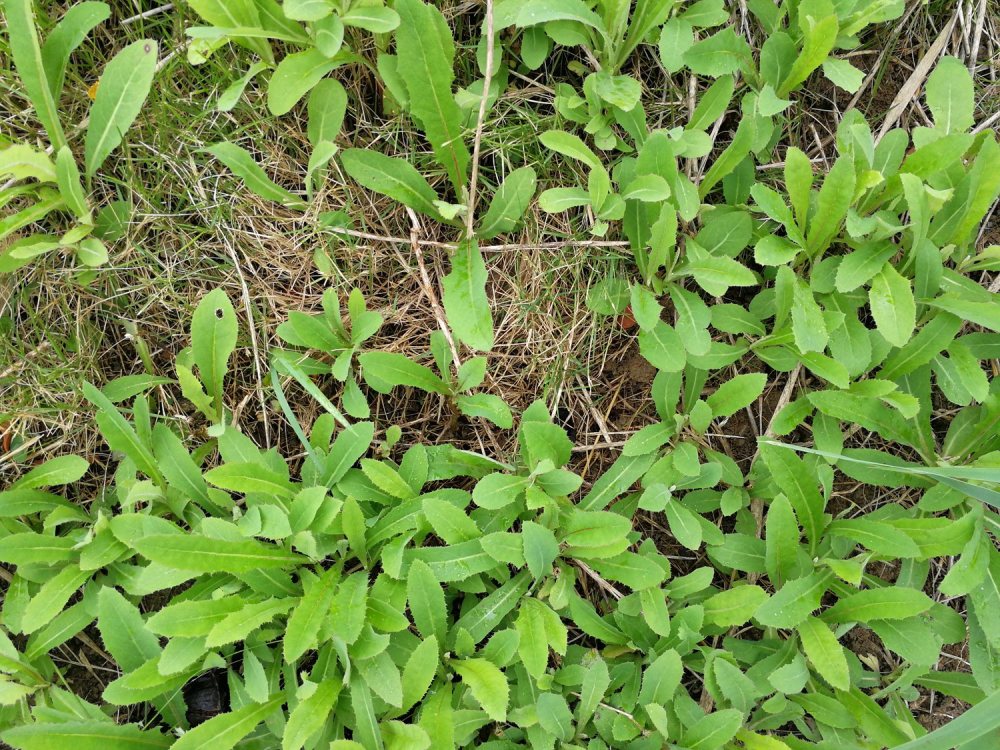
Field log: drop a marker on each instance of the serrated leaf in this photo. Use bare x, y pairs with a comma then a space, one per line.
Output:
307, 618
488, 685
892, 603
84, 735
824, 652
893, 306
202, 554
310, 715
794, 601
222, 732
426, 600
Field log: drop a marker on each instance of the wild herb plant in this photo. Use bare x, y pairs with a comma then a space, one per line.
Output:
55, 194
370, 591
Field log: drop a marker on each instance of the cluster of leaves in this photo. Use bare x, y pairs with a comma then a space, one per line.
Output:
45, 185
372, 593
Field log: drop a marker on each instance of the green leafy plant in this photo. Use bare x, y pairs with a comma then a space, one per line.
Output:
360, 588
46, 185
319, 30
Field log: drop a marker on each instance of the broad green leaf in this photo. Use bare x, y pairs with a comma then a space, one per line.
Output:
123, 631
52, 597
570, 145
824, 652
309, 716
384, 370
860, 266
30, 64
242, 164
676, 39
394, 177
426, 600
737, 393
237, 625
661, 679
191, 618
808, 324
621, 475
387, 479
178, 467
509, 204
222, 732
497, 490
980, 312
70, 187
55, 472
891, 603
230, 96
794, 601
662, 347
843, 74
325, 109
487, 406
893, 306
733, 606
715, 273
309, 614
532, 645
835, 197
684, 524
536, 12
713, 731
556, 200
202, 554
84, 735
424, 41
465, 300
250, 476
718, 55
554, 715
540, 548
819, 37
375, 19
78, 21
28, 547
419, 671
349, 611
799, 486
488, 685
950, 96
307, 10
484, 619
119, 434
125, 83
295, 76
